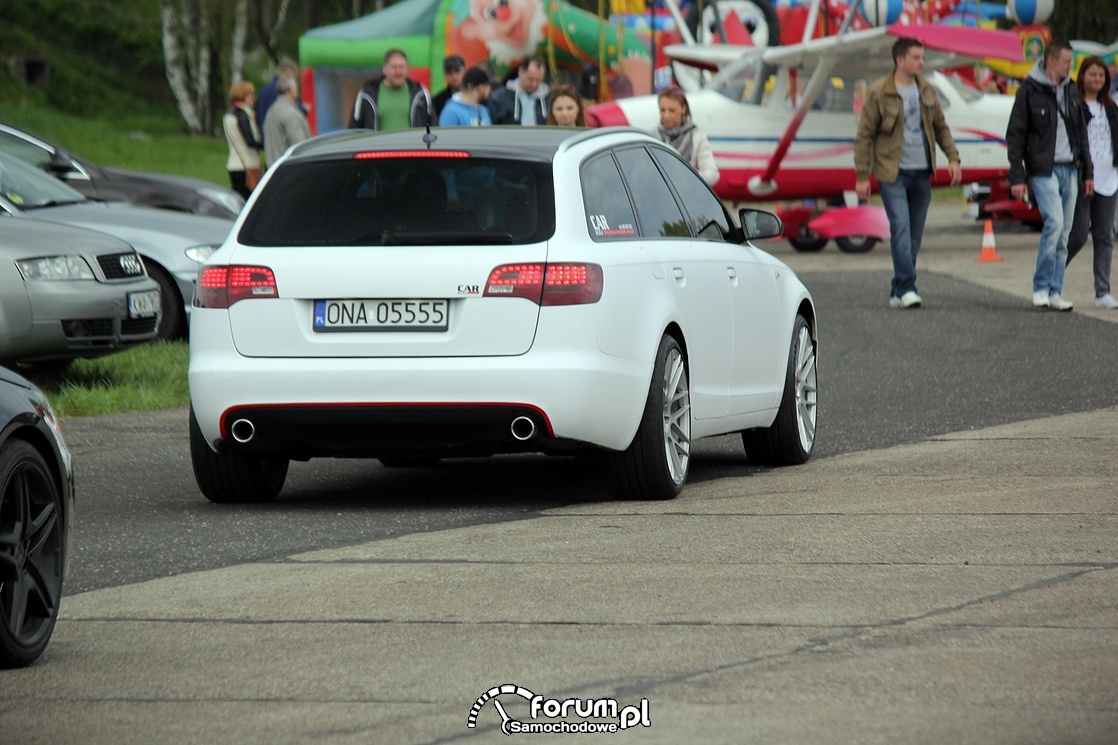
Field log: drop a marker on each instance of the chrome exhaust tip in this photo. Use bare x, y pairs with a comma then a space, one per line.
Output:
523, 428
243, 431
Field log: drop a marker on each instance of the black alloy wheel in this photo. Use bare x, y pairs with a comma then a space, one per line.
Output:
32, 548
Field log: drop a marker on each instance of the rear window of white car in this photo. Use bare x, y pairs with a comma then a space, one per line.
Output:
400, 201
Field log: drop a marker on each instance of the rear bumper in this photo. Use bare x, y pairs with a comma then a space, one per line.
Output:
369, 407
307, 431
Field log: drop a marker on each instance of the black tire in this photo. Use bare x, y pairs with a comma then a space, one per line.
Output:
32, 553
790, 439
172, 319
855, 244
227, 477
655, 464
807, 240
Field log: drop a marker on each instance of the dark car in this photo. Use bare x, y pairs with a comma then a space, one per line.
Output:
147, 189
36, 511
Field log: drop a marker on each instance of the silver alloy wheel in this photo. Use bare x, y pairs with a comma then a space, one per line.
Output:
677, 416
807, 391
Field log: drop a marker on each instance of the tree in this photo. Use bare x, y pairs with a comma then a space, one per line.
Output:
200, 34
270, 21
237, 44
188, 58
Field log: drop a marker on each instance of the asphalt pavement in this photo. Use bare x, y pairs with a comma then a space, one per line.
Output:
958, 588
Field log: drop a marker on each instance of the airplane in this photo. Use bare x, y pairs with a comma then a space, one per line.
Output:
781, 120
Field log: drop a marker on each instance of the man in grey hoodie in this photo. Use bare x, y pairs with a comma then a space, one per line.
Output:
1047, 144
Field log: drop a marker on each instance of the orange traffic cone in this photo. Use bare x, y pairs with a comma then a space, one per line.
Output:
989, 250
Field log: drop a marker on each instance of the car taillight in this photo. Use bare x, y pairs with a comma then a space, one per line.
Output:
221, 286
547, 284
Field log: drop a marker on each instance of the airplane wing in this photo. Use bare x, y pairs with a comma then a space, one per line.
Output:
709, 57
867, 52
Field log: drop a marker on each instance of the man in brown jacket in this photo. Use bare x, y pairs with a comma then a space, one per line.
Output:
900, 125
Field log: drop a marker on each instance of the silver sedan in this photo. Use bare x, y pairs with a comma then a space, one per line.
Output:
67, 292
173, 244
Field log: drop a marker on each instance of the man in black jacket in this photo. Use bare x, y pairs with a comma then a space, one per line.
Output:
523, 100
454, 67
393, 101
1047, 143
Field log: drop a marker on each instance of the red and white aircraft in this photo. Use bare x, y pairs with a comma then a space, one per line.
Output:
781, 120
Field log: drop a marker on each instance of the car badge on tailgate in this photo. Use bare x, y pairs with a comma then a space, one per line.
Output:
469, 290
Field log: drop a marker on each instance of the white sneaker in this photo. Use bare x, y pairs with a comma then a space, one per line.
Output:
911, 300
1106, 302
894, 301
1040, 299
1055, 302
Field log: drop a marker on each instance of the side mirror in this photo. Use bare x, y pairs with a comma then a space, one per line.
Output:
60, 163
757, 224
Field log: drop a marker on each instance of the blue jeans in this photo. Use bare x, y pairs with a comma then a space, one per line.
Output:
906, 203
1055, 197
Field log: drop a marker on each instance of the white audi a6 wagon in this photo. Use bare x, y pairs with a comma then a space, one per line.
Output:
414, 296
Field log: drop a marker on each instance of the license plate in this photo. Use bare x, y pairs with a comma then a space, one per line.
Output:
143, 304
381, 315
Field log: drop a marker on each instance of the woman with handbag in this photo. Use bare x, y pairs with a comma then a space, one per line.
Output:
243, 138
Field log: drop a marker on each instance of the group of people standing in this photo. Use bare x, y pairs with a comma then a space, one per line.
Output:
1063, 150
1062, 143
479, 100
525, 99
273, 121
473, 99
265, 124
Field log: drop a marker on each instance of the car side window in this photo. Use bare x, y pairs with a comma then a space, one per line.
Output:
657, 212
609, 214
705, 213
20, 148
